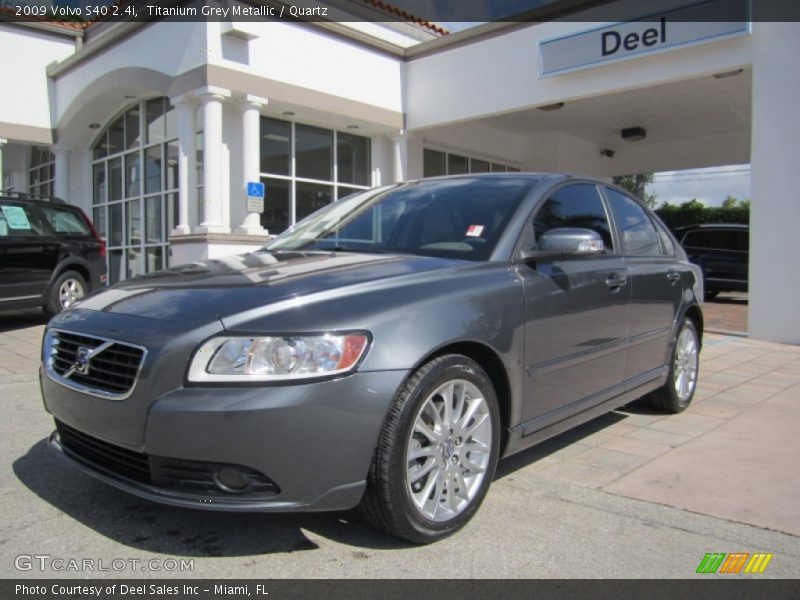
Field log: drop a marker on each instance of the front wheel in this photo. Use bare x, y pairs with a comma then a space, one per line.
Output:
677, 393
436, 453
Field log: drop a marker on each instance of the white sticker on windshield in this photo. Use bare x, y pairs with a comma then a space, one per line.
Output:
3, 228
16, 217
474, 230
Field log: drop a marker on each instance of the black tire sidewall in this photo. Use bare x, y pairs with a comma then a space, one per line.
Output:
53, 306
452, 367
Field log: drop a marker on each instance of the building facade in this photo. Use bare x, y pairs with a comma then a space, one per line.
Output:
154, 129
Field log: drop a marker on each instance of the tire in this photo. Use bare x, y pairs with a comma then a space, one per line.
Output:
711, 294
66, 290
412, 497
677, 393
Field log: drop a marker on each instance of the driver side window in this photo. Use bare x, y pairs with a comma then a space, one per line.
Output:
577, 205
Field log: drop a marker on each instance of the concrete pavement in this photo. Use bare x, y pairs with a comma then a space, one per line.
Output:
632, 494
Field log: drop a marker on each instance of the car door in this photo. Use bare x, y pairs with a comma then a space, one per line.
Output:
655, 286
28, 252
576, 313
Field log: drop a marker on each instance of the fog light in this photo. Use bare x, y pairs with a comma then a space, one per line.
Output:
231, 479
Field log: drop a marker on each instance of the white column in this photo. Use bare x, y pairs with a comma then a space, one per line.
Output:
774, 280
212, 98
187, 160
400, 158
250, 107
2, 180
61, 183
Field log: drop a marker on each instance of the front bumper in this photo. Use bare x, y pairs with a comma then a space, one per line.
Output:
315, 441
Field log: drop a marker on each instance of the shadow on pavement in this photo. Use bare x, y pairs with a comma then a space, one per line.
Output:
21, 319
164, 529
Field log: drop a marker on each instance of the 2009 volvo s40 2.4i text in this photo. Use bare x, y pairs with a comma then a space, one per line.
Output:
384, 352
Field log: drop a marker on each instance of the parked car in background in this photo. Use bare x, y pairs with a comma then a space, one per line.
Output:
722, 252
383, 352
50, 255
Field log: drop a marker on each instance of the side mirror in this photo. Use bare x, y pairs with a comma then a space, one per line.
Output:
564, 243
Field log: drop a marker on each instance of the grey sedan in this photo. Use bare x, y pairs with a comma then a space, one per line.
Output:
384, 352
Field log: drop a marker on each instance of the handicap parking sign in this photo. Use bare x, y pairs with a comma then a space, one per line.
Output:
255, 189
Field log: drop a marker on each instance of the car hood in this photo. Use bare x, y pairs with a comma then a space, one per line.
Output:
204, 291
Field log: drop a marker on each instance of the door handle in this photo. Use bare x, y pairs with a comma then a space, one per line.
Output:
674, 277
616, 281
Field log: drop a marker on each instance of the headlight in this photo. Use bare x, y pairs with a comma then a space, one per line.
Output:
250, 358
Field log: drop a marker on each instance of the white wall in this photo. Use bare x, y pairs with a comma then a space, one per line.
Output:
775, 209
26, 53
500, 74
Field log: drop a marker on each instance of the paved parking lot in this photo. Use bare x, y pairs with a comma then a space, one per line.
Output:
631, 494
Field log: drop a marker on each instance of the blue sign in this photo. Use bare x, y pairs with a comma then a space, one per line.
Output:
255, 189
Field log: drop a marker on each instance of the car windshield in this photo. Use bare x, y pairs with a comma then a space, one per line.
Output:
452, 218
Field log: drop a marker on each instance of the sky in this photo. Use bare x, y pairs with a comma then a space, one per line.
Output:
710, 186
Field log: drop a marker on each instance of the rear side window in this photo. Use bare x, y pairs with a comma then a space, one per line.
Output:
577, 205
639, 236
20, 220
666, 239
65, 222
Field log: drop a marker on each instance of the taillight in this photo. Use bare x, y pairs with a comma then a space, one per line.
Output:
100, 240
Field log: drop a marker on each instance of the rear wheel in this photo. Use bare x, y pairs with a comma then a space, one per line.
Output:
437, 452
66, 291
677, 393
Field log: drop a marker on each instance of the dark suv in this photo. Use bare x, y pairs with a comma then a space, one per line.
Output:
722, 251
50, 255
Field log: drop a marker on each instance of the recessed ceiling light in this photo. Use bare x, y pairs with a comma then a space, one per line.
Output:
130, 97
549, 107
633, 134
94, 125
288, 113
726, 74
352, 126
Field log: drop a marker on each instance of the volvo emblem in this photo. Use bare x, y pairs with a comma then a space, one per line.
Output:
81, 364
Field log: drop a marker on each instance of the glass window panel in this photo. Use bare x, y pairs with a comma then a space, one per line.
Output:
310, 197
478, 166
101, 146
115, 179
45, 173
276, 215
116, 136
313, 152
153, 230
434, 163
99, 220
343, 191
352, 158
132, 175
171, 120
456, 165
132, 128
116, 266
275, 146
99, 194
155, 120
577, 205
639, 237
134, 219
171, 180
154, 258
513, 170
34, 177
152, 170
115, 224
497, 168
134, 256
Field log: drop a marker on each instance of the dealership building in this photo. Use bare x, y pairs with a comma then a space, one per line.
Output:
156, 128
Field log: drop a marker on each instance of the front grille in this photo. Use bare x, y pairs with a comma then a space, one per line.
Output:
112, 369
168, 473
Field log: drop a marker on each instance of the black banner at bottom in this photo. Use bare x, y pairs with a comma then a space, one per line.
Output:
394, 589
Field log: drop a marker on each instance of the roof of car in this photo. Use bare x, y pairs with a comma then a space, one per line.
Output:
26, 197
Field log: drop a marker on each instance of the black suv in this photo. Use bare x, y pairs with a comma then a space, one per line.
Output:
722, 251
50, 255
